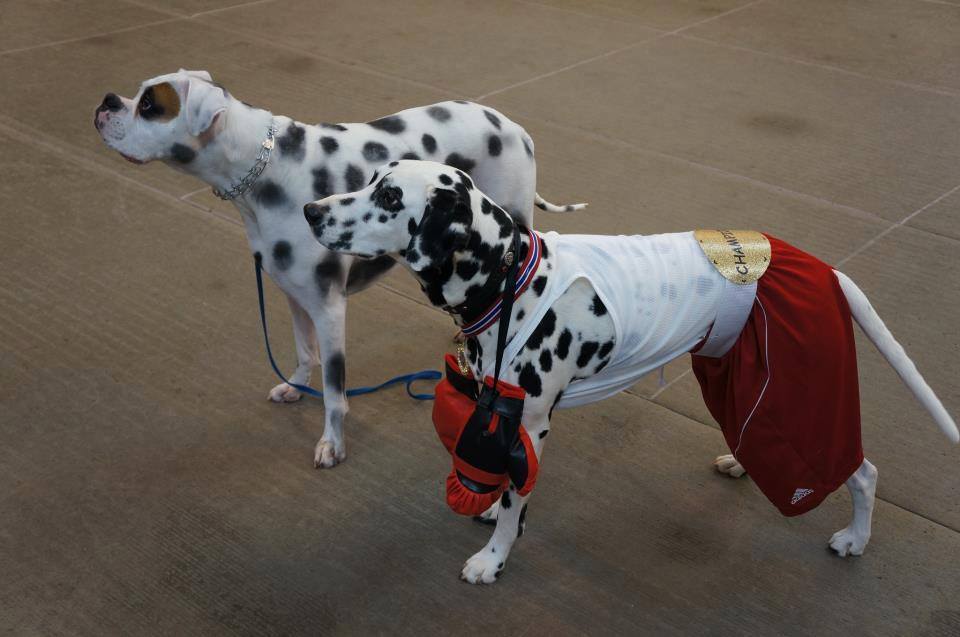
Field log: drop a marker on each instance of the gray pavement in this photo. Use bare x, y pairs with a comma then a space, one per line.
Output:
150, 489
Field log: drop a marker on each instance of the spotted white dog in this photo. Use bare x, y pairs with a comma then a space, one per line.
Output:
563, 336
270, 166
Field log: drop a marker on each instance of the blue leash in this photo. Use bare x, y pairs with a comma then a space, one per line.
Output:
409, 379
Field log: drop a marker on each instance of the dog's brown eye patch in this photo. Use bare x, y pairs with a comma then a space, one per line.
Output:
160, 103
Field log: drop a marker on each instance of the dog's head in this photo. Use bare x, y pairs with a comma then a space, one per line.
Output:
428, 216
170, 117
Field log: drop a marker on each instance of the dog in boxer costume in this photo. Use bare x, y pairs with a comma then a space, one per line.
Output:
270, 166
769, 328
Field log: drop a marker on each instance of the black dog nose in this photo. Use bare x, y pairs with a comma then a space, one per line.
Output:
314, 213
112, 102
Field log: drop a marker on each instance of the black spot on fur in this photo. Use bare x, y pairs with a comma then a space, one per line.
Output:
375, 152
461, 101
389, 198
327, 272
282, 255
383, 218
412, 255
363, 272
467, 269
346, 201
291, 143
539, 284
505, 500
546, 360
373, 177
530, 380
409, 156
522, 522
526, 147
321, 183
600, 366
343, 242
429, 143
485, 206
494, 145
182, 154
587, 350
597, 306
546, 327
543, 434
354, 177
459, 161
335, 372
445, 180
270, 194
391, 124
368, 216
520, 315
333, 126
492, 118
329, 144
439, 113
605, 349
563, 344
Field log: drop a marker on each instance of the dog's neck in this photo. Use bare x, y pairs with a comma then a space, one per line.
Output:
228, 150
487, 241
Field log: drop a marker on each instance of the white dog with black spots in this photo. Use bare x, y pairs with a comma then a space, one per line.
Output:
194, 125
452, 237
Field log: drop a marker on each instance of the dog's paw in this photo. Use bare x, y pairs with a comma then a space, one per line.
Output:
728, 464
482, 568
327, 454
490, 515
284, 393
849, 542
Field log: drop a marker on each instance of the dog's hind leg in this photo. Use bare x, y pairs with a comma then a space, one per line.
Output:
308, 354
729, 465
863, 486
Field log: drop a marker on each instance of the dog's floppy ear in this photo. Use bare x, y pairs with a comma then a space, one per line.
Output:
443, 229
203, 75
204, 101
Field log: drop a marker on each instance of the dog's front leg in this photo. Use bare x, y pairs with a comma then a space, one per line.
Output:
308, 354
329, 319
485, 566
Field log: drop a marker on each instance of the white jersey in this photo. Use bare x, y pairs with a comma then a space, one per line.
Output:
661, 292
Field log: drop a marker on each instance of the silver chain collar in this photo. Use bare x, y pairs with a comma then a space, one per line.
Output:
263, 158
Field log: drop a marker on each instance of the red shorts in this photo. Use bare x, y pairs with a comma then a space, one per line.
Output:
786, 395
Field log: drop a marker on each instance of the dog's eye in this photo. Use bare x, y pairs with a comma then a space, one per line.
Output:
146, 102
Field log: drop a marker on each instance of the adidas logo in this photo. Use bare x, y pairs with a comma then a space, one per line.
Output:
800, 494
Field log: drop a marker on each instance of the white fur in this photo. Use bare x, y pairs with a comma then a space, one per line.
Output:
225, 136
419, 182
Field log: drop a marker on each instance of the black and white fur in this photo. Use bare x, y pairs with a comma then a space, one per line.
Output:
194, 125
452, 236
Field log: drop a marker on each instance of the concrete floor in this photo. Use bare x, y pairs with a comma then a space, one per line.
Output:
149, 487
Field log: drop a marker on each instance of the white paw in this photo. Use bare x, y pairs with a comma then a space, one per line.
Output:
483, 568
284, 393
849, 542
327, 454
490, 515
728, 464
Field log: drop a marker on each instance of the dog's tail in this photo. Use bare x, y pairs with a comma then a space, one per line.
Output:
543, 204
877, 332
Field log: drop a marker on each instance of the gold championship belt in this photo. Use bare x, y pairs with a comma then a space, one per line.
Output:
741, 256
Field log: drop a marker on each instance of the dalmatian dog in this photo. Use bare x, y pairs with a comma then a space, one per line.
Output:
269, 166
453, 238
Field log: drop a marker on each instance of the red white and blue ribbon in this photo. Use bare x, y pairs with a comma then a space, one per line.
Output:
527, 270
